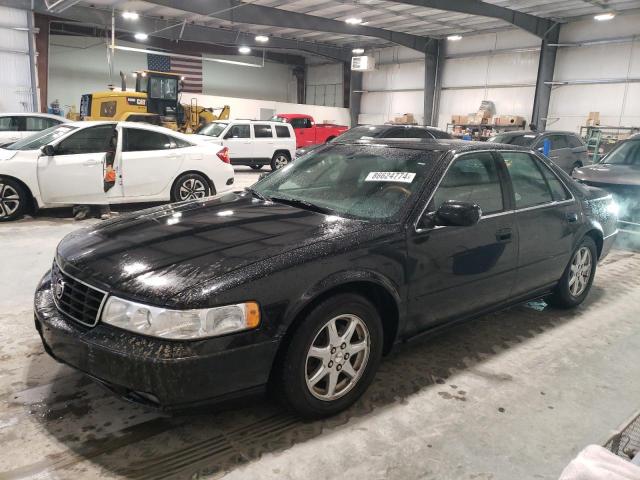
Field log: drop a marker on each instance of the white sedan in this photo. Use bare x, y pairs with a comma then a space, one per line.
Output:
16, 126
66, 164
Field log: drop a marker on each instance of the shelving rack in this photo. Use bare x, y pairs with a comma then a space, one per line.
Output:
476, 129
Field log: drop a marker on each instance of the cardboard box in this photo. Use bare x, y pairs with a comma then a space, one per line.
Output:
508, 120
459, 119
479, 118
406, 119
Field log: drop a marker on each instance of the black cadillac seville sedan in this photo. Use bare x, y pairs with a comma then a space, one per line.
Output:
306, 280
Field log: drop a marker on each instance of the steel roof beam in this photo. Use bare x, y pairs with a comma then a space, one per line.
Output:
170, 30
540, 27
240, 12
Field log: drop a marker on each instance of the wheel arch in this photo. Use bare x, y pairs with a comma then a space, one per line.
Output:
598, 238
212, 186
32, 202
282, 150
378, 290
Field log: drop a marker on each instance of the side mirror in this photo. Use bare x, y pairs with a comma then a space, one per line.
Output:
457, 214
48, 150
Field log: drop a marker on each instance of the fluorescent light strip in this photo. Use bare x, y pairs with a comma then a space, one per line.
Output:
179, 55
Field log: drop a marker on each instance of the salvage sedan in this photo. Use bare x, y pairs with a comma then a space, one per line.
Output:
619, 173
306, 280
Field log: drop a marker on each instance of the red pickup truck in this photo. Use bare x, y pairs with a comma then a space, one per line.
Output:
307, 131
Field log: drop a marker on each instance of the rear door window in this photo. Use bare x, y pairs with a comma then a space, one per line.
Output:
472, 178
262, 131
418, 133
574, 141
529, 184
35, 124
139, 140
300, 123
558, 142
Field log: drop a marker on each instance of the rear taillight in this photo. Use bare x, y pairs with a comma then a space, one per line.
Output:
224, 155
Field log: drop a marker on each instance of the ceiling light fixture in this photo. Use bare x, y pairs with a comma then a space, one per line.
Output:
353, 21
262, 38
358, 51
454, 38
130, 15
141, 36
244, 50
603, 17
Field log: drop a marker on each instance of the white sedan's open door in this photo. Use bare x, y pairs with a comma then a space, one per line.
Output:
75, 173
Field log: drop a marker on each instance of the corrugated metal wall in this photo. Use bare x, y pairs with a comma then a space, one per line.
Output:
16, 94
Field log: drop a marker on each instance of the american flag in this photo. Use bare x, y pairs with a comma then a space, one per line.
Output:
189, 68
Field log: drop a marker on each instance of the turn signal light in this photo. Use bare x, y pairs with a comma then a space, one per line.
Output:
224, 155
252, 314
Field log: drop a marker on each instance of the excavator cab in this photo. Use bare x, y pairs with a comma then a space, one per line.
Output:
162, 90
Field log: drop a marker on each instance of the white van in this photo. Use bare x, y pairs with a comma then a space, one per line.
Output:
253, 142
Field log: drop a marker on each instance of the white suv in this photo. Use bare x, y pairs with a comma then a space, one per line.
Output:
253, 142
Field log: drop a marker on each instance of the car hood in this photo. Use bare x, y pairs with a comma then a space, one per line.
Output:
7, 154
155, 254
609, 174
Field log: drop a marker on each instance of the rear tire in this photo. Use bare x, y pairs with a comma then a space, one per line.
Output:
14, 199
576, 281
190, 186
280, 160
256, 167
331, 358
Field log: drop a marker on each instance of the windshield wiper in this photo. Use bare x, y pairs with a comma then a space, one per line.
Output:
303, 204
257, 194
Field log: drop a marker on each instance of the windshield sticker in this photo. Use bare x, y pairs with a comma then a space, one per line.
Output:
402, 177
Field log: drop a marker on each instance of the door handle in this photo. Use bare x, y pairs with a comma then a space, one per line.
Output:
90, 163
504, 235
572, 217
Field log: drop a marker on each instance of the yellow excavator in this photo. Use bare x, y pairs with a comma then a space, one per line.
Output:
155, 100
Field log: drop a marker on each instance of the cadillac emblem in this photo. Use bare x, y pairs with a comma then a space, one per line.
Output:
58, 288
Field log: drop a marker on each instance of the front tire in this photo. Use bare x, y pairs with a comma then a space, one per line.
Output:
576, 281
13, 200
332, 357
190, 186
280, 160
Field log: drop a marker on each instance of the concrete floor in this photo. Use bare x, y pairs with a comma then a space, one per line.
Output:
514, 395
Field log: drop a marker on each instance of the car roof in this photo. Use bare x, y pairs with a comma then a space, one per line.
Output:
248, 121
518, 133
35, 114
437, 145
398, 125
145, 126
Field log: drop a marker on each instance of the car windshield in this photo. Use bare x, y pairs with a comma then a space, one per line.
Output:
626, 153
39, 139
360, 133
212, 129
519, 140
365, 182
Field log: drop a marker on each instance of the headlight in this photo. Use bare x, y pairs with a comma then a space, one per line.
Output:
180, 324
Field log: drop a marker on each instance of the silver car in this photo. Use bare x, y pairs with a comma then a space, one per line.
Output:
619, 173
566, 149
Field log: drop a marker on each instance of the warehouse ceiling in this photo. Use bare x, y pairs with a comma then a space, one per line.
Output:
320, 28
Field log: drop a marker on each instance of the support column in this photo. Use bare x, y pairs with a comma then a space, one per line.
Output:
433, 59
42, 51
300, 73
355, 97
546, 68
32, 63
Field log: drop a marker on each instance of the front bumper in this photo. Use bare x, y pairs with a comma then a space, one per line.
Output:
169, 375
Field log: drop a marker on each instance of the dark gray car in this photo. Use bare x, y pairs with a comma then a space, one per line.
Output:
566, 149
368, 132
619, 173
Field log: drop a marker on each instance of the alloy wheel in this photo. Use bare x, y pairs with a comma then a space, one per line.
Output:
337, 357
191, 189
9, 200
280, 161
580, 271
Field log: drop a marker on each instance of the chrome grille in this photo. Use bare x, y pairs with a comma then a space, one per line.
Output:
76, 299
